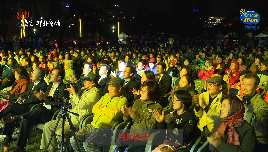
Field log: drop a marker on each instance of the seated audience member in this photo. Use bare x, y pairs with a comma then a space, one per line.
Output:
147, 75
242, 67
19, 87
164, 79
208, 103
256, 109
141, 114
87, 70
26, 63
106, 113
229, 59
181, 118
69, 72
232, 74
185, 70
80, 104
23, 105
231, 132
236, 88
141, 67
129, 84
152, 66
264, 68
221, 73
104, 74
42, 113
7, 74
206, 71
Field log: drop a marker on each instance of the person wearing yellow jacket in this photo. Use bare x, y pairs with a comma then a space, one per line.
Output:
208, 103
106, 113
81, 105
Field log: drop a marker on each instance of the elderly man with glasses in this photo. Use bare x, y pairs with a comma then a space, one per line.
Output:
208, 103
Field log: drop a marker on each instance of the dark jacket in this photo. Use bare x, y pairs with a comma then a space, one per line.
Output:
30, 98
165, 84
247, 139
103, 86
187, 122
127, 90
58, 97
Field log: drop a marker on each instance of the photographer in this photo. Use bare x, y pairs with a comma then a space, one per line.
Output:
80, 105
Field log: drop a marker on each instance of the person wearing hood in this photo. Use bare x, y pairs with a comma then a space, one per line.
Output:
232, 75
206, 71
232, 132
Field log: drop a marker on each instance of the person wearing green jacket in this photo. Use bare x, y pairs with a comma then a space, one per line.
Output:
256, 109
141, 114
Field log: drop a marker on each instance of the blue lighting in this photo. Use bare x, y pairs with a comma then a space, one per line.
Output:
67, 5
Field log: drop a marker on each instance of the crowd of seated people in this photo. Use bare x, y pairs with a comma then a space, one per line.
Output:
217, 97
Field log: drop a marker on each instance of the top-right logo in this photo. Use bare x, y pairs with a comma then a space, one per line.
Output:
250, 18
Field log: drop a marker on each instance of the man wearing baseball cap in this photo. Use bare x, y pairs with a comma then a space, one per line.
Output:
208, 103
82, 103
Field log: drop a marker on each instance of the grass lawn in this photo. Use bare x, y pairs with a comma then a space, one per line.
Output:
33, 144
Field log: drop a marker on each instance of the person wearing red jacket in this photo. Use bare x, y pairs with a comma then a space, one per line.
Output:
232, 74
206, 71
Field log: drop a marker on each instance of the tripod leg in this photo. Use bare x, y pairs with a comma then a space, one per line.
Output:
48, 140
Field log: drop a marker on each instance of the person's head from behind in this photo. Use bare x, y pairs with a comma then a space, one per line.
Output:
186, 81
21, 73
230, 105
38, 74
161, 68
181, 99
87, 68
128, 72
115, 87
250, 84
57, 75
147, 75
219, 72
149, 91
